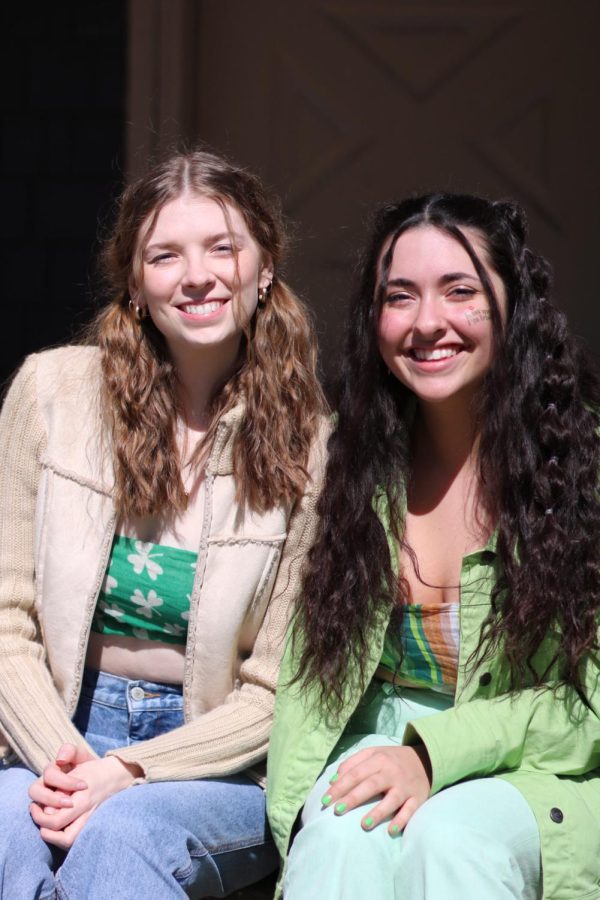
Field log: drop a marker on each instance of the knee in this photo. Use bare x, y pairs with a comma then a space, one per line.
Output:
341, 839
432, 831
119, 824
434, 834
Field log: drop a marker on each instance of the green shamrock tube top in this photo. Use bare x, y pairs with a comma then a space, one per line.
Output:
146, 591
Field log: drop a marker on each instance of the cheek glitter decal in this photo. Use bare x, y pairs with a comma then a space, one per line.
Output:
473, 316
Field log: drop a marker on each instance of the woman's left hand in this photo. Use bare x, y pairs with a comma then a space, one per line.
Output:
103, 777
400, 775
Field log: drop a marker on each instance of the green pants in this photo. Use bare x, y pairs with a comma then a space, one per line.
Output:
477, 840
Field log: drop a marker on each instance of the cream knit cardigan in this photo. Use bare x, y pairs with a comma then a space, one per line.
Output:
57, 522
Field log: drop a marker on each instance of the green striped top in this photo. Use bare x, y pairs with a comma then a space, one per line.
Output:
423, 652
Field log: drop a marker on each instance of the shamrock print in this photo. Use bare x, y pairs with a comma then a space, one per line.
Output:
144, 559
145, 605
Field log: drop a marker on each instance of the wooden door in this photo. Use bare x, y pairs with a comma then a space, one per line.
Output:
341, 106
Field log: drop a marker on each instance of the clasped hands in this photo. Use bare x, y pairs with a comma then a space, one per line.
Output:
71, 788
401, 776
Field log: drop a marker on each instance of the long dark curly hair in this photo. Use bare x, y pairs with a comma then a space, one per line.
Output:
538, 465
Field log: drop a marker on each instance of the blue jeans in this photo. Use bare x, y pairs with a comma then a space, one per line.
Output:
202, 838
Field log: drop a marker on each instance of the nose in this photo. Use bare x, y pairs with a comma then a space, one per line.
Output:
429, 321
196, 273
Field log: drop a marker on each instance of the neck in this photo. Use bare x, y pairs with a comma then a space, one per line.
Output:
201, 375
445, 436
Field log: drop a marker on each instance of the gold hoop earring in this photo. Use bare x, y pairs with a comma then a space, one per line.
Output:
263, 292
138, 312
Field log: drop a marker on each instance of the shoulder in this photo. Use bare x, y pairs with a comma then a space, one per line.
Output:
62, 389
43, 377
69, 364
68, 375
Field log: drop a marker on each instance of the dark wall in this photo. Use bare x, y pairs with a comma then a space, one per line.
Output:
63, 72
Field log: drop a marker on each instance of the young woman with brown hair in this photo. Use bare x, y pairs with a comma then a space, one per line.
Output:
158, 493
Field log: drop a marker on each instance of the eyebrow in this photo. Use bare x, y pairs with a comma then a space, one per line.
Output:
445, 279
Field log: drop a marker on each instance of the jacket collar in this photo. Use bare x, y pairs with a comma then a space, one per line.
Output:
220, 460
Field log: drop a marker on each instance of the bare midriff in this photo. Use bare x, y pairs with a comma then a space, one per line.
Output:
133, 658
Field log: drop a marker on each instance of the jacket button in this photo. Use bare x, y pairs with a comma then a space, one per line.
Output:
556, 815
485, 679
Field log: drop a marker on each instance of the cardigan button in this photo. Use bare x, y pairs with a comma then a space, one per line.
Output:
485, 679
556, 815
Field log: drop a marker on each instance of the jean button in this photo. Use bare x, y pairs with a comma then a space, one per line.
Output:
137, 693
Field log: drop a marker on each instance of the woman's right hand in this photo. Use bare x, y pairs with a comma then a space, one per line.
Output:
53, 788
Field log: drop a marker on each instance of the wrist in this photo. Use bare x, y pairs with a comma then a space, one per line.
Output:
126, 772
422, 753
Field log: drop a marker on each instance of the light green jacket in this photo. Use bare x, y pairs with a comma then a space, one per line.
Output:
546, 744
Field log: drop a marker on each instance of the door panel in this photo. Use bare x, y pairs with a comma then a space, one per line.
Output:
341, 106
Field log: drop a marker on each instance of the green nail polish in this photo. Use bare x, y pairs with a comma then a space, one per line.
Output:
326, 799
340, 808
368, 822
334, 778
395, 829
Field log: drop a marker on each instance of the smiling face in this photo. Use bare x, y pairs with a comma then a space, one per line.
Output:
435, 329
200, 274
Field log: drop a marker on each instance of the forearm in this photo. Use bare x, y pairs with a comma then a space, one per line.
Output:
224, 741
32, 714
542, 730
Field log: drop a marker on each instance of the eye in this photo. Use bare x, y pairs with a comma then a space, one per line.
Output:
462, 292
225, 248
161, 258
400, 298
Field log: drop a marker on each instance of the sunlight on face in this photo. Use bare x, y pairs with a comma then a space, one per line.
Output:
197, 267
435, 329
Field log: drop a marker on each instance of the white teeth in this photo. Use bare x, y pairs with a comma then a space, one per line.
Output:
201, 309
438, 353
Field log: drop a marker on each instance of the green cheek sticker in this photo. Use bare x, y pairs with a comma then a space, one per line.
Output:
474, 316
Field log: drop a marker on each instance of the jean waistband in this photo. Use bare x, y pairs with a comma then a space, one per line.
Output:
113, 690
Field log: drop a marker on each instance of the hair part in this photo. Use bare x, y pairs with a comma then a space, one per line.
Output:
276, 379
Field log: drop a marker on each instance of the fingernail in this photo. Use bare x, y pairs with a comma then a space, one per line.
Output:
66, 802
81, 785
368, 822
340, 808
394, 830
334, 778
326, 799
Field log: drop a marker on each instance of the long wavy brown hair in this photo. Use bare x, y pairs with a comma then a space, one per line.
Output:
276, 378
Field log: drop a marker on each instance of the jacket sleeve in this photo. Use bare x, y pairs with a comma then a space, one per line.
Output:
235, 735
32, 715
540, 730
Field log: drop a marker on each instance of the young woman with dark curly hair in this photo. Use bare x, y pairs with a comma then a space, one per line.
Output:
441, 686
158, 495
